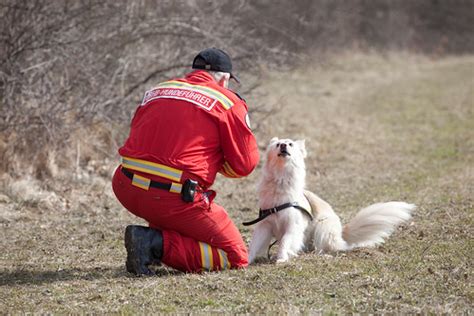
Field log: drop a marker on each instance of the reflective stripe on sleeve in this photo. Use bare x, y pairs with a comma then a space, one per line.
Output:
228, 169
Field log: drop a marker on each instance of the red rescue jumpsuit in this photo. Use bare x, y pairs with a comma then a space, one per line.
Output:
188, 128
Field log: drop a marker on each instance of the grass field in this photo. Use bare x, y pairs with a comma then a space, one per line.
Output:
378, 128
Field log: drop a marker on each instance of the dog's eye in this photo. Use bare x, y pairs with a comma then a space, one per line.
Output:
277, 145
291, 144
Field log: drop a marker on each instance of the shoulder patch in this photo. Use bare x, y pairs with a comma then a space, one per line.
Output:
201, 96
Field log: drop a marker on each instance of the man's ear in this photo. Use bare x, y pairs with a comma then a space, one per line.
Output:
224, 82
302, 146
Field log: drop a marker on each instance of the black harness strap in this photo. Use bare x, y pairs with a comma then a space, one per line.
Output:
262, 214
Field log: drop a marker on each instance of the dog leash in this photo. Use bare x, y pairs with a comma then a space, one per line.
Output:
262, 214
270, 247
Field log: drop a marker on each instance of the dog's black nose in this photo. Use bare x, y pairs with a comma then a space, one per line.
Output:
283, 150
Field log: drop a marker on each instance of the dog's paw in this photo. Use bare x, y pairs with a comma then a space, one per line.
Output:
282, 259
260, 260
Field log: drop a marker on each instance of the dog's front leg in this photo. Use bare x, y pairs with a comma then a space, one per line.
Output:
283, 254
290, 244
261, 238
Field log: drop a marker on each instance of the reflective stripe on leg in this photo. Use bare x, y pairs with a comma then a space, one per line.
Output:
206, 256
225, 264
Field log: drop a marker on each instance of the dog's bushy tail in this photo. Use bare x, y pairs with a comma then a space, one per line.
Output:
376, 222
370, 226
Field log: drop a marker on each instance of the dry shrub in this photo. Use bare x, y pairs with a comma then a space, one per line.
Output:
28, 191
71, 66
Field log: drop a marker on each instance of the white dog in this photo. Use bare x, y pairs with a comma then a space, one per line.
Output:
283, 202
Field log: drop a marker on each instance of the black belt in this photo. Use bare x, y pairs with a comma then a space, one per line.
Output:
153, 184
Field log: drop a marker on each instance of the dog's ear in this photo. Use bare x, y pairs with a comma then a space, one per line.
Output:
273, 140
302, 146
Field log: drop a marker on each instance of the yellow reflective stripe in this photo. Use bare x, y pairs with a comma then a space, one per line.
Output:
206, 256
229, 170
211, 258
222, 98
225, 264
203, 256
141, 182
227, 174
152, 168
176, 187
226, 171
226, 102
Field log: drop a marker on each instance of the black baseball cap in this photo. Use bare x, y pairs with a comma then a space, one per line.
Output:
214, 59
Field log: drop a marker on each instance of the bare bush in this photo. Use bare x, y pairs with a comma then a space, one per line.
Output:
67, 66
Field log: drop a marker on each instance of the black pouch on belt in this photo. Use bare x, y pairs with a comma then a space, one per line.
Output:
188, 190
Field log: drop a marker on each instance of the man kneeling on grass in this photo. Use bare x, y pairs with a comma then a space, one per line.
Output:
183, 133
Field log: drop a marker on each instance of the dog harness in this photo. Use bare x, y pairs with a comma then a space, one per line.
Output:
262, 214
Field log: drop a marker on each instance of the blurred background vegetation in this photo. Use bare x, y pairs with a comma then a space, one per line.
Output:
72, 72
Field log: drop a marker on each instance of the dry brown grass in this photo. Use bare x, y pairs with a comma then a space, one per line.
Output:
378, 128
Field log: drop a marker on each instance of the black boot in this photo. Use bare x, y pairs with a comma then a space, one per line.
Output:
144, 247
